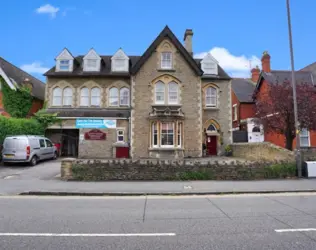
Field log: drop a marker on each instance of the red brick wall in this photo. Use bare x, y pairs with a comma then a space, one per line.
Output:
246, 110
36, 106
235, 101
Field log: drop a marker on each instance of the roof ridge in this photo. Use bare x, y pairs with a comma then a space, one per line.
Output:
307, 66
20, 69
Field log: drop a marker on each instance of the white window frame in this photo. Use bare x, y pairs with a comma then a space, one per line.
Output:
210, 95
94, 67
65, 97
164, 92
118, 131
121, 95
54, 96
118, 97
120, 65
179, 134
173, 135
169, 93
63, 64
305, 136
153, 126
209, 68
235, 113
87, 97
93, 95
166, 63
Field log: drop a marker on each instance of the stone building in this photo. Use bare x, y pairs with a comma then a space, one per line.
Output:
162, 104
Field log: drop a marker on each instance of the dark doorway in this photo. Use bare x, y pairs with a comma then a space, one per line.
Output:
211, 144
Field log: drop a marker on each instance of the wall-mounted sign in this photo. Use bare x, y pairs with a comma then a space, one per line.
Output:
95, 123
95, 134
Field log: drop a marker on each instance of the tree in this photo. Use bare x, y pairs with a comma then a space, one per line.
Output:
275, 109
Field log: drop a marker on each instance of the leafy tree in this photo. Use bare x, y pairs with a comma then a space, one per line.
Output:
275, 109
46, 119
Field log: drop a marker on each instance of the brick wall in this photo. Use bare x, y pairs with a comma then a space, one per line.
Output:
262, 151
102, 170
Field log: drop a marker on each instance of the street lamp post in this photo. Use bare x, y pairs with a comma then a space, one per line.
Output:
298, 151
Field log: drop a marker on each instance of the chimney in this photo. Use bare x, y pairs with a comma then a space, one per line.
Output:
255, 72
265, 60
188, 40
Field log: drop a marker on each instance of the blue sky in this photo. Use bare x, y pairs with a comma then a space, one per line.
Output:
34, 32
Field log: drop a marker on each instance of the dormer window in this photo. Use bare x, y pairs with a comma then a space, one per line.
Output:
166, 60
64, 65
120, 61
91, 61
209, 65
64, 61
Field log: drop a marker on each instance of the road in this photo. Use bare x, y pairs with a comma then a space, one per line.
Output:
156, 222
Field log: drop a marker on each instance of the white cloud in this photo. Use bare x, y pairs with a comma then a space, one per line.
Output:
34, 68
48, 9
236, 66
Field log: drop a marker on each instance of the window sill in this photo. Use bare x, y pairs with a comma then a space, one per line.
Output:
166, 70
166, 149
211, 108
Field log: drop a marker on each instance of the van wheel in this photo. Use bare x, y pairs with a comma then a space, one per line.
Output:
33, 161
55, 156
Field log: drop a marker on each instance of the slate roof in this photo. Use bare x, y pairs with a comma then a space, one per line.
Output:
104, 71
243, 89
18, 75
86, 112
279, 76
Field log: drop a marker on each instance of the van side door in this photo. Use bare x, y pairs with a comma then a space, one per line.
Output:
50, 148
42, 151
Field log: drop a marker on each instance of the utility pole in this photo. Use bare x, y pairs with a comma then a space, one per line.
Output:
297, 128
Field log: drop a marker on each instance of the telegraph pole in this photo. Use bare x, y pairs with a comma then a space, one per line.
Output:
297, 128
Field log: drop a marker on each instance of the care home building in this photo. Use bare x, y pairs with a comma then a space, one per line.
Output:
161, 104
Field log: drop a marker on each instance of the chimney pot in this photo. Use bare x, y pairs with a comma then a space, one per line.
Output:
188, 40
265, 60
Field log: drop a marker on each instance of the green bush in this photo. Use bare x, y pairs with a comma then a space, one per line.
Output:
19, 126
196, 175
280, 170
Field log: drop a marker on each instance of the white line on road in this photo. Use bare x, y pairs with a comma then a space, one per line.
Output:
86, 235
295, 230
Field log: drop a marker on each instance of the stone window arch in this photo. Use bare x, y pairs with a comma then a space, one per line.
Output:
212, 128
57, 96
173, 93
211, 96
114, 96
160, 92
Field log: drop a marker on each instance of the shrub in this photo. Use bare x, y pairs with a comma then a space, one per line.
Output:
280, 170
19, 126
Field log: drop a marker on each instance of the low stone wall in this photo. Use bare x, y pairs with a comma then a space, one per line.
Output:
308, 154
127, 169
262, 151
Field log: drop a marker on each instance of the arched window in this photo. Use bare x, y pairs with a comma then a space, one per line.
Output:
124, 96
57, 97
211, 97
95, 96
67, 96
160, 93
114, 97
173, 93
256, 129
211, 128
84, 97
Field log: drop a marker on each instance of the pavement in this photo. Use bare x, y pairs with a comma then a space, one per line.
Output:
45, 179
271, 221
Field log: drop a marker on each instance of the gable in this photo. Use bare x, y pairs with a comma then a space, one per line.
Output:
166, 33
120, 54
92, 54
65, 55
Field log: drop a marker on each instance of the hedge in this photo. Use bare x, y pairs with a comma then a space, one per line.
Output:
19, 126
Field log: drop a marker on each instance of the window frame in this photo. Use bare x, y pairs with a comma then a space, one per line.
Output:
65, 97
153, 126
179, 134
121, 95
62, 64
61, 97
88, 97
210, 105
119, 68
118, 97
177, 92
307, 135
173, 135
235, 113
163, 60
164, 92
95, 96
118, 135
88, 67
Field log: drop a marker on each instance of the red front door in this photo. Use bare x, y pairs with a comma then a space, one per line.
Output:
211, 143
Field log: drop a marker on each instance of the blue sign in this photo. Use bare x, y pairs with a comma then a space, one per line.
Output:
95, 123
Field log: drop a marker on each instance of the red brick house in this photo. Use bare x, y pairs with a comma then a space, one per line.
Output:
243, 105
15, 78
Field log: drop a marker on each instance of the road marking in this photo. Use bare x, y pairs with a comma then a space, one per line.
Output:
295, 230
86, 235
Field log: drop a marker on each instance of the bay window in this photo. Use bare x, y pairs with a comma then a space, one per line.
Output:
166, 134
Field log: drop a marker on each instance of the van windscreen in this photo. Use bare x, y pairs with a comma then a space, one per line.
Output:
16, 143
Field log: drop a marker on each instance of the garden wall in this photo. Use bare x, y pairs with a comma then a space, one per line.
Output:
127, 169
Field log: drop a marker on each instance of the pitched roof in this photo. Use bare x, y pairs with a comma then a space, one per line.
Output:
104, 71
19, 76
167, 33
280, 76
222, 75
243, 89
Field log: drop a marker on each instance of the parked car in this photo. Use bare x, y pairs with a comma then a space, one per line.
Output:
27, 148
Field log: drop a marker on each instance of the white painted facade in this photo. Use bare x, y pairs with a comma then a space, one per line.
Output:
120, 62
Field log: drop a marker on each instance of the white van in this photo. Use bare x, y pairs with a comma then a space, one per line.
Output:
27, 148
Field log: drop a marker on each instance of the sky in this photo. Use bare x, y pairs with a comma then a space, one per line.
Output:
236, 32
